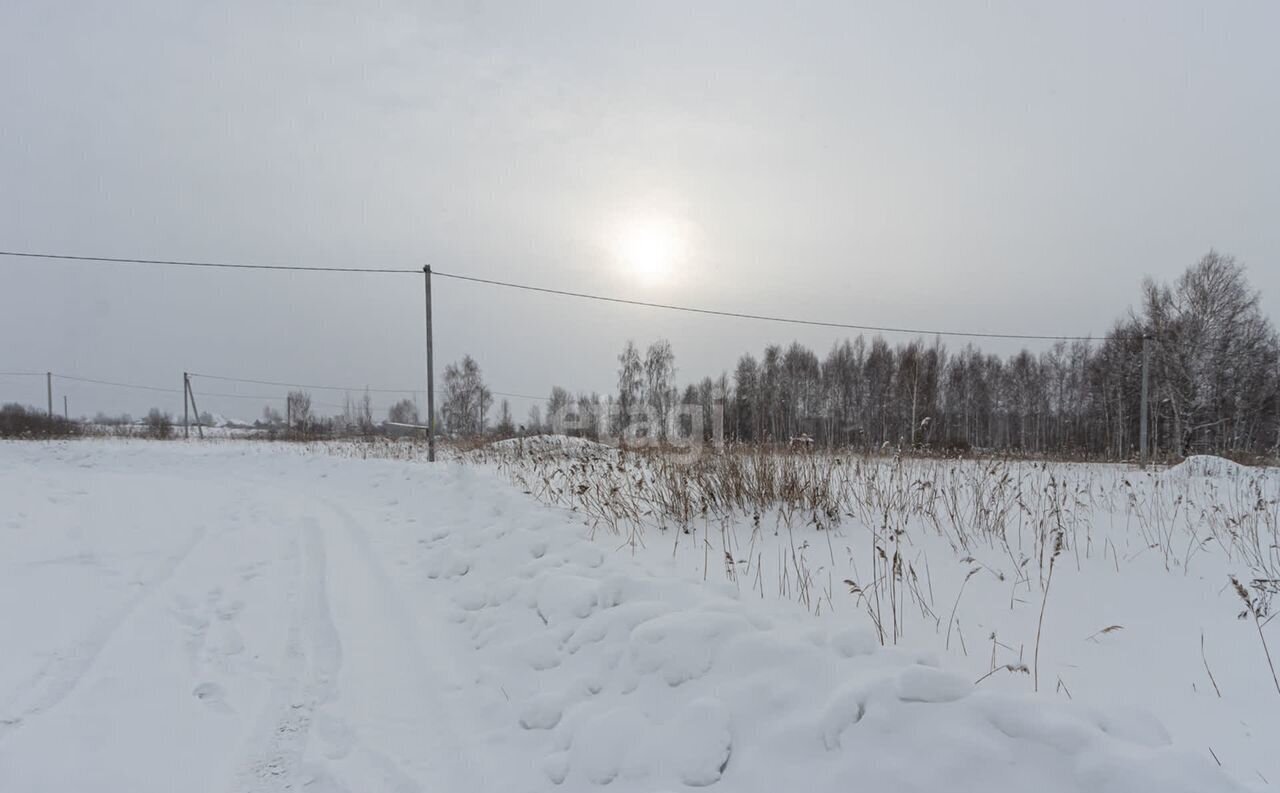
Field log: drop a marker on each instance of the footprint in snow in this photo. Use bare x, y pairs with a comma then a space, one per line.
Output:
230, 610
213, 695
446, 564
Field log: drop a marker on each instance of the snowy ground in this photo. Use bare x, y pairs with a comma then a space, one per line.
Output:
247, 616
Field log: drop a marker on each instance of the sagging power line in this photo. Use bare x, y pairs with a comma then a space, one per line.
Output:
757, 317
724, 313
346, 388
114, 384
219, 265
306, 385
259, 397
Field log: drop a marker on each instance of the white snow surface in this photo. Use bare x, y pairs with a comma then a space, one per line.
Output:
248, 617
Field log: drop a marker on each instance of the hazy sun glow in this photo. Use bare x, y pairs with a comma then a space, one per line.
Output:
651, 249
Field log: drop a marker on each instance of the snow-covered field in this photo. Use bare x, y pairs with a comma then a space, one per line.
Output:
247, 616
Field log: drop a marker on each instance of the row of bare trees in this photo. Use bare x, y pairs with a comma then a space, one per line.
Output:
1214, 384
355, 418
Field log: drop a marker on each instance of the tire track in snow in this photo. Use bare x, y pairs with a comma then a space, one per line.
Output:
305, 679
395, 683
403, 685
60, 675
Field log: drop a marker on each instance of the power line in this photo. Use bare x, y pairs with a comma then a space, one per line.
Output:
304, 385
255, 397
114, 384
221, 265
263, 397
161, 389
505, 394
314, 387
564, 293
267, 397
759, 317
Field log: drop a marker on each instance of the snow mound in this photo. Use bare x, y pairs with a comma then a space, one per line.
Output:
603, 670
1207, 465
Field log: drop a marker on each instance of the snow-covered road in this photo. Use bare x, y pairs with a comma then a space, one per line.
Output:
247, 617
211, 622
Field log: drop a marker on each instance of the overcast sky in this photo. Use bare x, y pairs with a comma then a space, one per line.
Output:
987, 166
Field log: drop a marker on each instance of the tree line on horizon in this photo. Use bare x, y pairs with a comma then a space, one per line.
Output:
1214, 387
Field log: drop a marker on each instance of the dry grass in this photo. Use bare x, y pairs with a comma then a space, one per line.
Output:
1035, 514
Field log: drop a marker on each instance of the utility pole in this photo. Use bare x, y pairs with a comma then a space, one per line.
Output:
431, 375
186, 417
66, 413
192, 395
48, 384
1142, 413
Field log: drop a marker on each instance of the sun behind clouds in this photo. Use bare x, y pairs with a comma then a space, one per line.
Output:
651, 249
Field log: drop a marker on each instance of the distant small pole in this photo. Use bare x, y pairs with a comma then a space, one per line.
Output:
186, 417
431, 374
1142, 412
48, 384
66, 412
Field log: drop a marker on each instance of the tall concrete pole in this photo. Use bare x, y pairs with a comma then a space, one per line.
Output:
431, 374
